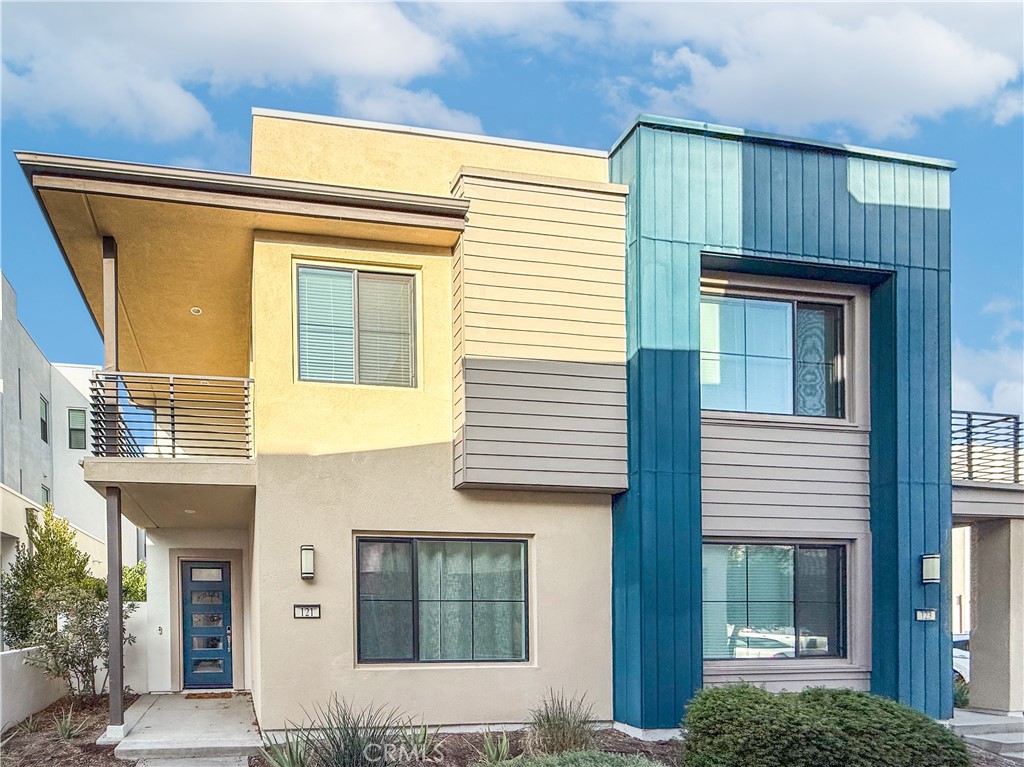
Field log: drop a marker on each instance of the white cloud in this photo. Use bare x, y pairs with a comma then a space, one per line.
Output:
388, 103
133, 67
876, 68
992, 379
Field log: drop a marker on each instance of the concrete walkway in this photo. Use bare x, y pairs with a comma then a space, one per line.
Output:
189, 726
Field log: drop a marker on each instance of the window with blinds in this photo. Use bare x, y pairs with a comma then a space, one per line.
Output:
356, 327
76, 428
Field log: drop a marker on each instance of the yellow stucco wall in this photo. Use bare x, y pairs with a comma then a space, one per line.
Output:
398, 161
295, 417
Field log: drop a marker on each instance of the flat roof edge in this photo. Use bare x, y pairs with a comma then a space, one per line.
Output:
431, 132
35, 163
740, 134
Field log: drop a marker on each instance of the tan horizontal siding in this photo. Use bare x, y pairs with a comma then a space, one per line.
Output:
524, 195
546, 296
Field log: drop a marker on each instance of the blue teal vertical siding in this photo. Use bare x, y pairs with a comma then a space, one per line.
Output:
801, 211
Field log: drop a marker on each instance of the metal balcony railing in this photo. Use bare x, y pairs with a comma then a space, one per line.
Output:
986, 447
152, 415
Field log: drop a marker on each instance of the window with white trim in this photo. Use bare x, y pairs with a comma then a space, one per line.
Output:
760, 355
356, 326
774, 600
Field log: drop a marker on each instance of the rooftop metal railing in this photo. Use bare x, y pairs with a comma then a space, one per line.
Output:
153, 415
986, 447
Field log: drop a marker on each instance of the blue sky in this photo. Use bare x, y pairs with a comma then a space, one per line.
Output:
171, 83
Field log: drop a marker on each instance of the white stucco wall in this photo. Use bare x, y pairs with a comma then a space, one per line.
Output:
24, 689
161, 637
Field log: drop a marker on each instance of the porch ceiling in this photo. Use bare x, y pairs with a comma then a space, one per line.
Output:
185, 239
219, 492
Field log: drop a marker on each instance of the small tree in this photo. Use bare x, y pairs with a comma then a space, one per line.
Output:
52, 603
133, 582
50, 563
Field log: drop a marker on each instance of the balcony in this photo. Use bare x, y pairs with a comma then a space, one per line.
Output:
147, 415
986, 447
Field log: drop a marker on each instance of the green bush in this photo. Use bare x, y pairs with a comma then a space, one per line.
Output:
561, 723
585, 759
48, 600
961, 693
743, 725
133, 582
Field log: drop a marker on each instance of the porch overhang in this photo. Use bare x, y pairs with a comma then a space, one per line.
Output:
180, 493
185, 239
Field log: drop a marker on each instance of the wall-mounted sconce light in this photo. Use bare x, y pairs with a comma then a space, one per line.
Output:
931, 568
306, 563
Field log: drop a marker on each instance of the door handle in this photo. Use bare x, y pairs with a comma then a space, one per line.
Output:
229, 639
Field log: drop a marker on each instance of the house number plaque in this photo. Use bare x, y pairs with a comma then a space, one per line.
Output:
306, 611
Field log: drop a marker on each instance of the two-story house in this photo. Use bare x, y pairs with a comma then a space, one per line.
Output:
448, 421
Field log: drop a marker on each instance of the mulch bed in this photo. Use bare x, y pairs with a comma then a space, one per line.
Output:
43, 747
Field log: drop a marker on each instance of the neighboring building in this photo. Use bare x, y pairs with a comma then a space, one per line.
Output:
44, 435
420, 416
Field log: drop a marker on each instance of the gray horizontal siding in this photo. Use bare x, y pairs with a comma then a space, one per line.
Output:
809, 476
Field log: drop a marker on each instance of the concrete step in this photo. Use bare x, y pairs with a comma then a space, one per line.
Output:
196, 761
139, 748
965, 722
998, 742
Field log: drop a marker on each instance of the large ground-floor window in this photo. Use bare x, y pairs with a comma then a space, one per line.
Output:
774, 601
430, 599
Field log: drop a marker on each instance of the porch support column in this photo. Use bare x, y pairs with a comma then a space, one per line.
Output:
115, 620
109, 303
997, 616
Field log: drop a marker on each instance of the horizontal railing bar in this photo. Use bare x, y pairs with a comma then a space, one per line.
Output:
184, 376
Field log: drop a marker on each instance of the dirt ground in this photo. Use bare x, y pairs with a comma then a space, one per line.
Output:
42, 747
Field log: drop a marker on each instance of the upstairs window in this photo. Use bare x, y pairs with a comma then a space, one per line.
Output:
771, 356
356, 327
44, 419
76, 428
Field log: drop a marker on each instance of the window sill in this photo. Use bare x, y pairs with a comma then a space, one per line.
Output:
440, 664
788, 421
780, 666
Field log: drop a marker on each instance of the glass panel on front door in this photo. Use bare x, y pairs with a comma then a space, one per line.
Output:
206, 624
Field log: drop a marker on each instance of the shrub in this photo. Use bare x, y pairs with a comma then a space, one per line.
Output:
961, 693
586, 759
133, 582
496, 748
561, 723
746, 725
339, 735
50, 601
66, 727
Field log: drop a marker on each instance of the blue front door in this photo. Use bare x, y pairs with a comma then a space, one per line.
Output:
206, 619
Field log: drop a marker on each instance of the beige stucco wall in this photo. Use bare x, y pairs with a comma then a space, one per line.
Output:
997, 603
398, 159
327, 500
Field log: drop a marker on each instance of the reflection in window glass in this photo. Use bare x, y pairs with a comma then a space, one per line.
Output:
768, 601
207, 620
207, 574
470, 600
771, 356
208, 666
207, 643
207, 597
